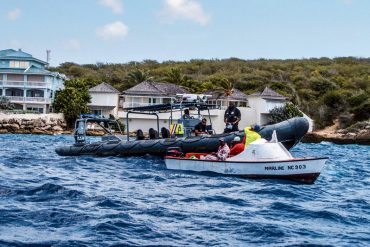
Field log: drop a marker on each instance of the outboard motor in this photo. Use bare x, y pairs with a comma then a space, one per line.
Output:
139, 135
153, 134
165, 132
80, 133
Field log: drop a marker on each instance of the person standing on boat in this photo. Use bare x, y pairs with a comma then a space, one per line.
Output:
231, 118
186, 114
222, 153
201, 127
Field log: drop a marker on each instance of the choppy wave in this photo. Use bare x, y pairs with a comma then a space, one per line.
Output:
47, 200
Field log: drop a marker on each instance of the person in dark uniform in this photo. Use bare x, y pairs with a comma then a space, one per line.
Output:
201, 127
186, 114
232, 118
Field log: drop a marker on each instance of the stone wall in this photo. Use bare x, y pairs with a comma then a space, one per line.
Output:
52, 123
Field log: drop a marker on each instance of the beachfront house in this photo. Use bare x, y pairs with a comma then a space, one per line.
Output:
218, 97
104, 100
151, 93
26, 81
262, 102
254, 108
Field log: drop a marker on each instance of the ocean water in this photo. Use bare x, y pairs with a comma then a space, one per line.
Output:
48, 200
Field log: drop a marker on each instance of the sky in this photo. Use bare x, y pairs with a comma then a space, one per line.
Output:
120, 31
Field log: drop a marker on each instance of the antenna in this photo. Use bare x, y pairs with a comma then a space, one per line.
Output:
48, 56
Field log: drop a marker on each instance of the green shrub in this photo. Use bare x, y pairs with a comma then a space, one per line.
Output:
362, 112
279, 114
5, 103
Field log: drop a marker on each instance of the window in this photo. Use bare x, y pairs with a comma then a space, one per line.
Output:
152, 101
36, 109
19, 64
98, 112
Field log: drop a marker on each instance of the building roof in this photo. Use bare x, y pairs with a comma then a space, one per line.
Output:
18, 55
155, 88
268, 93
237, 95
103, 88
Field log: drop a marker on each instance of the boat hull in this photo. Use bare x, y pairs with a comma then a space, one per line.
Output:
305, 170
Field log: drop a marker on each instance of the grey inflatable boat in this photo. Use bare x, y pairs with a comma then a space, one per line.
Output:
289, 132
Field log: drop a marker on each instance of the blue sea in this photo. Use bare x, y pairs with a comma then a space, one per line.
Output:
48, 200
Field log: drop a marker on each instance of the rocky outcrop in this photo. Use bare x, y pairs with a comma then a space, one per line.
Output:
358, 133
33, 124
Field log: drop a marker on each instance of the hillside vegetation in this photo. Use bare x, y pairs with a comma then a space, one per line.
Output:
323, 88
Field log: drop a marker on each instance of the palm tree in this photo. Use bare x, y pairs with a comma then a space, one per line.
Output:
226, 87
175, 76
137, 76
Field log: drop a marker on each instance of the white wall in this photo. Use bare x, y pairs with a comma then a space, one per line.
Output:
105, 99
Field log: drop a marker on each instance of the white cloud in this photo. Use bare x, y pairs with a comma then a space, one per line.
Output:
115, 30
185, 10
115, 5
14, 14
73, 45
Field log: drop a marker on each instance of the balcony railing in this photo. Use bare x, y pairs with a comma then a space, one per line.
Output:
136, 104
20, 99
27, 84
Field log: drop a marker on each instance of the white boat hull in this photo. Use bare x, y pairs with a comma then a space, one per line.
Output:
304, 169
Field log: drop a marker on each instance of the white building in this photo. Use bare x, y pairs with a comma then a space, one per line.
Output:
261, 104
254, 108
104, 100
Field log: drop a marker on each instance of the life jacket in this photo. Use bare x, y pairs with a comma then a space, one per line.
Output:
250, 136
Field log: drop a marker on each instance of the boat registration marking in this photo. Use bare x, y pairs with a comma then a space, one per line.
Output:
282, 168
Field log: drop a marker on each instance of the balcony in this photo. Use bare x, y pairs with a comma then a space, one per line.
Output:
25, 84
135, 104
20, 99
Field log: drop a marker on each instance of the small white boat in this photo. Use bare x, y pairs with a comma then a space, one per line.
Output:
261, 159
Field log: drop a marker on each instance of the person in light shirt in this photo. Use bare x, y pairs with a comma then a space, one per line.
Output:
222, 153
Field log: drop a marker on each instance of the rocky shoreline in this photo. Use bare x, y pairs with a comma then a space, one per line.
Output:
47, 124
358, 133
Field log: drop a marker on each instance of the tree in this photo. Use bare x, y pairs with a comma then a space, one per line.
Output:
282, 113
224, 86
73, 100
5, 103
137, 76
175, 76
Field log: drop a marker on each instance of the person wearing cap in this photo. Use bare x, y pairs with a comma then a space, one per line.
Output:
222, 153
237, 146
232, 118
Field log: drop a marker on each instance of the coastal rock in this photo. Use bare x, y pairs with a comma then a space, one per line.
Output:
32, 123
47, 127
358, 133
13, 126
38, 131
38, 123
57, 128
